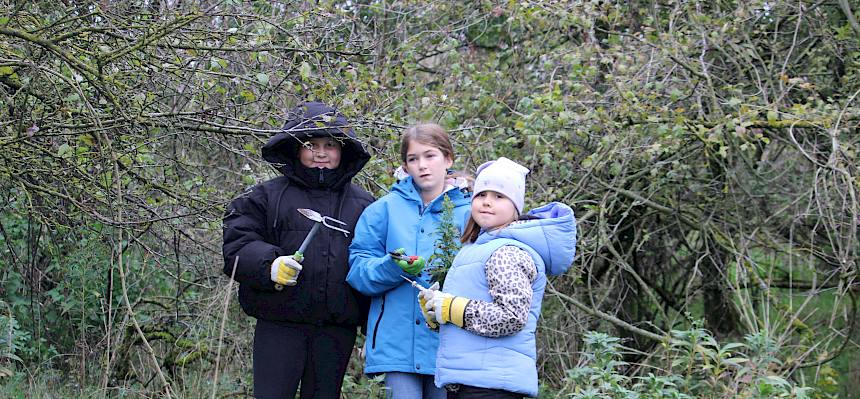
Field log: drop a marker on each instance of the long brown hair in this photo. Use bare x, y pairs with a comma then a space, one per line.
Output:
431, 134
428, 134
470, 232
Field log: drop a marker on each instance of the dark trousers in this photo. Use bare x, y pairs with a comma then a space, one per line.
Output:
288, 353
469, 392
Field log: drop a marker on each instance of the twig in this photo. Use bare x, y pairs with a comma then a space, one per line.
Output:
846, 9
122, 279
610, 318
227, 296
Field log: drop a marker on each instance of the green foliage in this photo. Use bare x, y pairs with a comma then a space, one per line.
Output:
447, 244
12, 342
694, 365
709, 150
363, 387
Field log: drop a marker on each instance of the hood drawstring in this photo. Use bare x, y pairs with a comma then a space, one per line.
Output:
340, 201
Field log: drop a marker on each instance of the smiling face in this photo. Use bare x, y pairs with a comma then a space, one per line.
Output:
492, 210
428, 167
320, 152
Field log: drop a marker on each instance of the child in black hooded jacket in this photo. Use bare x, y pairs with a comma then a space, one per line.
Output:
307, 315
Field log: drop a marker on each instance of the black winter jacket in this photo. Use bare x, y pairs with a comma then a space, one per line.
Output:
263, 223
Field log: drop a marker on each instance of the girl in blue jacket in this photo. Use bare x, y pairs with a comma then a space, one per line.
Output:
492, 294
398, 343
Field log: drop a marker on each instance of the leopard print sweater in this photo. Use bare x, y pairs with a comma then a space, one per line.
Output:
510, 272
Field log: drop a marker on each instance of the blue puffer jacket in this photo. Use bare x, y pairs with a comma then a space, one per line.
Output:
397, 338
506, 363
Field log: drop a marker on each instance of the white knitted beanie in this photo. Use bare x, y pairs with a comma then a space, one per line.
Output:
503, 176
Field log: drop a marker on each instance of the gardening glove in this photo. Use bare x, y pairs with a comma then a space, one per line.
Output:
446, 308
285, 271
428, 293
414, 264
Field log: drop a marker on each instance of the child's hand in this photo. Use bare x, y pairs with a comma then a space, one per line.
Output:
285, 270
422, 301
413, 266
446, 308
410, 264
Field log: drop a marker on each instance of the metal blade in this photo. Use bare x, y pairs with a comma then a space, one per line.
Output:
310, 214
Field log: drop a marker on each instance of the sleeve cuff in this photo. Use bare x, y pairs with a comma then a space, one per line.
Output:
456, 310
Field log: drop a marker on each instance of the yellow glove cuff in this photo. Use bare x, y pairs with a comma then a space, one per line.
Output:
454, 310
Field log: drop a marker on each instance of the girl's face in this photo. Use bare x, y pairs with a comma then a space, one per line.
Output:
428, 166
320, 152
492, 210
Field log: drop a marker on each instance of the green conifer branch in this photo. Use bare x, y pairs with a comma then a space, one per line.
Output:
447, 244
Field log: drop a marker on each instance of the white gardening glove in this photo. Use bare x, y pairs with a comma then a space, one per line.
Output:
423, 296
285, 271
446, 308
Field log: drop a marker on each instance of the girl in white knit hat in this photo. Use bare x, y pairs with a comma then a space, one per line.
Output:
491, 302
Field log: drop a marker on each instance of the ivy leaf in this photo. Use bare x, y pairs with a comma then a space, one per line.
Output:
588, 161
87, 139
305, 70
64, 151
248, 95
772, 116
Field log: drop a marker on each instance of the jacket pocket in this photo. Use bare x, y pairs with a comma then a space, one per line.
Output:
378, 322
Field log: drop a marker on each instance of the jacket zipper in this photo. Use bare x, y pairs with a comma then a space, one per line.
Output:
378, 319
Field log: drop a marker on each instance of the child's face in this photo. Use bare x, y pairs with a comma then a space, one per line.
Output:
427, 165
320, 152
492, 210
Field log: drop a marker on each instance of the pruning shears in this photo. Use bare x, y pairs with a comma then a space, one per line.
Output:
406, 258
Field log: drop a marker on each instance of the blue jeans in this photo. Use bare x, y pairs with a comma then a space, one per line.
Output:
412, 386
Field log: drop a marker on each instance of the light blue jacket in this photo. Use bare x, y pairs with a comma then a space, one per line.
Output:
397, 338
507, 363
